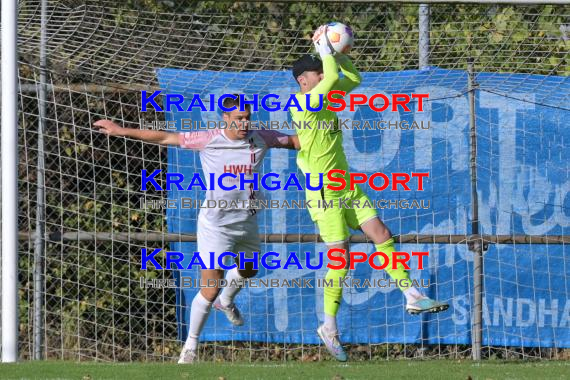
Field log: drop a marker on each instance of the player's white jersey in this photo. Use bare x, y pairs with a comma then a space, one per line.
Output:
219, 155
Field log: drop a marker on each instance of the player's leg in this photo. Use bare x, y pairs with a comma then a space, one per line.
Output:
209, 239
225, 302
333, 294
328, 331
416, 302
199, 311
334, 232
380, 235
248, 243
367, 220
377, 231
358, 216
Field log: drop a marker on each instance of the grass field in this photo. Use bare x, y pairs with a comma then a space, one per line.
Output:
434, 369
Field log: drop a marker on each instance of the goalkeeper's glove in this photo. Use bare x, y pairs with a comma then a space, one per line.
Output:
322, 44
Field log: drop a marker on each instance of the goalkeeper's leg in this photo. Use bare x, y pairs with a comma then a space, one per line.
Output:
416, 302
334, 232
328, 332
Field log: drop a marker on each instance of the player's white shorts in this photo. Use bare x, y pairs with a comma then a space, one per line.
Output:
241, 236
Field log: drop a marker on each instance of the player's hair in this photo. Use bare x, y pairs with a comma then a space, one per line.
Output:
230, 102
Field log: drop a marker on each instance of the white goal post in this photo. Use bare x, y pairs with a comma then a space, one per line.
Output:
9, 182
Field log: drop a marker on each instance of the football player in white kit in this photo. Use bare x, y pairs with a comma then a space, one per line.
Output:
219, 230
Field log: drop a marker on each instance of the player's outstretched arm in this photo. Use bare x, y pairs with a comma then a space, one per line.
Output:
158, 137
351, 78
294, 143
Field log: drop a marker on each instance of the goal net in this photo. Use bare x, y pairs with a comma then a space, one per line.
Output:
83, 294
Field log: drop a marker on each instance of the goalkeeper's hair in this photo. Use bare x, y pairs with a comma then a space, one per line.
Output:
231, 102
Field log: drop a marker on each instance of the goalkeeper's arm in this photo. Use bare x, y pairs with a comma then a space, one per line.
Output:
330, 68
351, 78
158, 137
330, 79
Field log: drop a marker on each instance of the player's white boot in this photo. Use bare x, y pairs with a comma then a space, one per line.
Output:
187, 356
332, 343
426, 304
231, 312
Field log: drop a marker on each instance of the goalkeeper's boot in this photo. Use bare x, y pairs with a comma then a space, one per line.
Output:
332, 343
231, 312
426, 305
188, 356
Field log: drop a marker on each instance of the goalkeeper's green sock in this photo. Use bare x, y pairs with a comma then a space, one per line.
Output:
333, 296
411, 293
397, 274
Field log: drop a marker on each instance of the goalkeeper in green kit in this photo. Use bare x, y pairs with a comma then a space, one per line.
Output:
322, 151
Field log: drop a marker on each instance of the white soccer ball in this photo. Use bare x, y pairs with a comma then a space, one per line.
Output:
340, 36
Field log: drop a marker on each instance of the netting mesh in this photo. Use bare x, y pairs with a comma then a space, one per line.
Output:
93, 41
99, 55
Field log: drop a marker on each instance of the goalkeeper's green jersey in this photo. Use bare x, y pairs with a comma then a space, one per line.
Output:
321, 146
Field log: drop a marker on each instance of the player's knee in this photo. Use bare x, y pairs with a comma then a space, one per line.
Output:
384, 233
248, 272
376, 230
335, 251
210, 293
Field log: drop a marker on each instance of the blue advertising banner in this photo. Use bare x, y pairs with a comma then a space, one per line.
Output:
523, 164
